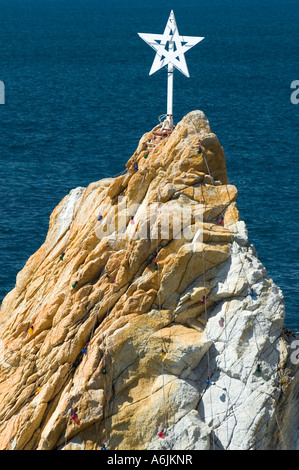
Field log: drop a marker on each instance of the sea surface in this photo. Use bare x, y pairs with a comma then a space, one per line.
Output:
78, 97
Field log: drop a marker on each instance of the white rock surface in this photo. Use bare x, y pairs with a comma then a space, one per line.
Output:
240, 405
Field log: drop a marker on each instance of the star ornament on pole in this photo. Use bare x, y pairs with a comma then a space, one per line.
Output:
170, 48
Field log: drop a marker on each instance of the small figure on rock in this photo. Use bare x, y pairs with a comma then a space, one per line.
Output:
104, 370
221, 220
252, 293
104, 445
258, 369
208, 381
163, 354
74, 416
30, 330
162, 433
84, 350
38, 387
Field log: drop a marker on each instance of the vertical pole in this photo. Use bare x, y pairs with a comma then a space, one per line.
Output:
170, 89
170, 95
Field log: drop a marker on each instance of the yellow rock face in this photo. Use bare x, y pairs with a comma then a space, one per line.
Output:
103, 328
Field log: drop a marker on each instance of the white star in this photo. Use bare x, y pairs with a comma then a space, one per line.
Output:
178, 45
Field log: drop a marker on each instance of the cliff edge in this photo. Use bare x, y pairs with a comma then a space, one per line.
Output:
146, 320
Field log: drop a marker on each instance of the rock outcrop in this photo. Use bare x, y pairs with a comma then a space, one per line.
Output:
146, 320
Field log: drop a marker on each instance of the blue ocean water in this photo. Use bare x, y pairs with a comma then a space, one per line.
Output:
79, 97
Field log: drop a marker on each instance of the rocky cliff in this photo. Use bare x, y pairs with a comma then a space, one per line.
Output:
146, 320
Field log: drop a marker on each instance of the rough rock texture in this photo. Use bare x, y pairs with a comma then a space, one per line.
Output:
116, 332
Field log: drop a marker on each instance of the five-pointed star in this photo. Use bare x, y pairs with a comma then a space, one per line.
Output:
174, 55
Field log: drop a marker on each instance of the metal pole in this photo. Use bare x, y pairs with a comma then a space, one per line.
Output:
170, 89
